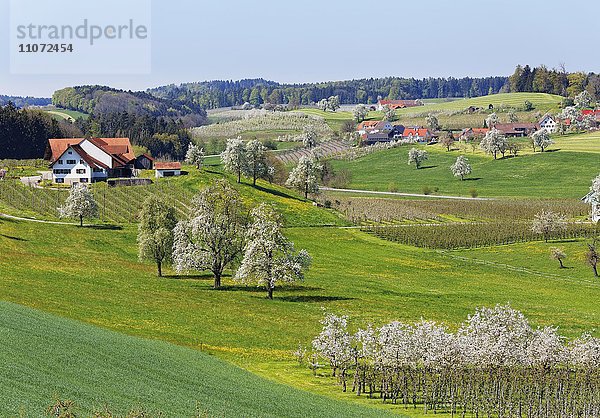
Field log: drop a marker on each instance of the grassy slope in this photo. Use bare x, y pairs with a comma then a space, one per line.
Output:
66, 114
528, 175
43, 357
127, 201
541, 101
333, 119
102, 283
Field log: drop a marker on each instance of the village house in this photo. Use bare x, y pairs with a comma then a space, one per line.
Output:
397, 104
83, 160
144, 162
417, 134
167, 169
594, 114
374, 137
383, 131
470, 134
595, 203
366, 126
548, 123
517, 129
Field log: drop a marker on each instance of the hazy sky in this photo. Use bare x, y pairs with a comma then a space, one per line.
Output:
320, 40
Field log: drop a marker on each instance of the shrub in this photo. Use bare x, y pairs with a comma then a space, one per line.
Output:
427, 190
473, 192
393, 187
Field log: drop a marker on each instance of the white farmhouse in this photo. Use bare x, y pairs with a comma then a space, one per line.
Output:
595, 202
81, 160
548, 123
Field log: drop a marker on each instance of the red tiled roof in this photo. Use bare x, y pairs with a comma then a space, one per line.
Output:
366, 124
398, 103
58, 146
167, 166
119, 149
421, 132
586, 112
115, 146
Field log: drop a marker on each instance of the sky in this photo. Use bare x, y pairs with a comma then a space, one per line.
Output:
323, 40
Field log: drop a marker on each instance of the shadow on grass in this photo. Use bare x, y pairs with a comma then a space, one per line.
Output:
471, 178
260, 289
425, 167
276, 192
552, 150
104, 227
13, 238
311, 299
208, 277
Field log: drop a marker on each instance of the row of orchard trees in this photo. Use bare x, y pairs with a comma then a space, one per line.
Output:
220, 235
250, 159
495, 364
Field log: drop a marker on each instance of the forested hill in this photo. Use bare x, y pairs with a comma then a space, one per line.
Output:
101, 100
19, 101
214, 94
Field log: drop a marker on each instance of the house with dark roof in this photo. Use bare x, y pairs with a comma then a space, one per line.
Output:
83, 160
517, 129
144, 162
374, 137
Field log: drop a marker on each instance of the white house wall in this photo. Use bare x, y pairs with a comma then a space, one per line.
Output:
72, 176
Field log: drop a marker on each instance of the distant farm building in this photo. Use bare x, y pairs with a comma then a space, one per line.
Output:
470, 134
167, 169
366, 126
382, 131
144, 162
397, 104
517, 129
548, 123
81, 160
417, 134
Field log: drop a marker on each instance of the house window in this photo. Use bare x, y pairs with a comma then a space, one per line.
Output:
70, 152
72, 162
81, 171
81, 162
60, 180
60, 161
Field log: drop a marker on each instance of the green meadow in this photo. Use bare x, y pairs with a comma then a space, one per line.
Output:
103, 284
44, 357
564, 171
